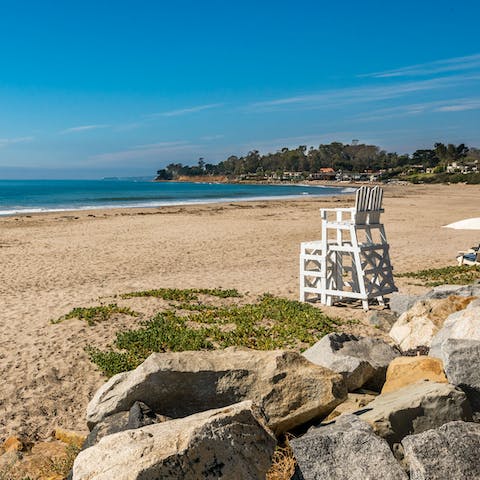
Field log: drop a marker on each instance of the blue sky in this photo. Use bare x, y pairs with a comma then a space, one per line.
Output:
92, 89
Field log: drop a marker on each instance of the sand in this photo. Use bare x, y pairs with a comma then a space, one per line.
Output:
54, 262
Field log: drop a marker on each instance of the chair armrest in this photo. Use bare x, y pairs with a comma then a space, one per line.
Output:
350, 209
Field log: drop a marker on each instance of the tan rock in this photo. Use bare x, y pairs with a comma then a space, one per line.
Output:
422, 322
354, 402
71, 437
231, 443
404, 371
414, 409
288, 388
13, 444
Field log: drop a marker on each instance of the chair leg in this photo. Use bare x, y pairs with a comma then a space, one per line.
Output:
302, 279
365, 305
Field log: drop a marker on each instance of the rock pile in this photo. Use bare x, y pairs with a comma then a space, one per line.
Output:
359, 407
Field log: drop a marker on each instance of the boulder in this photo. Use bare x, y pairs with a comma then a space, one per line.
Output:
421, 323
139, 415
399, 303
444, 291
344, 450
462, 325
448, 452
230, 442
403, 371
287, 387
382, 319
414, 409
360, 360
354, 402
461, 361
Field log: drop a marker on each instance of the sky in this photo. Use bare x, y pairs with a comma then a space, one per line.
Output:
121, 88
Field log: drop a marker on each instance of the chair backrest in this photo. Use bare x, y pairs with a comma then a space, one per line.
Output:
368, 204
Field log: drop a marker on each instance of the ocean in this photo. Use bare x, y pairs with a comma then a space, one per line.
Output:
32, 196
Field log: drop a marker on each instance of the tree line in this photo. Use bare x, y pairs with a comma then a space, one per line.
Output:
345, 157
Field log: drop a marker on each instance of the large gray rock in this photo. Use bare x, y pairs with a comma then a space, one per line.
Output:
461, 364
444, 291
448, 452
289, 389
400, 303
423, 321
414, 409
139, 415
361, 360
231, 442
462, 325
382, 319
344, 450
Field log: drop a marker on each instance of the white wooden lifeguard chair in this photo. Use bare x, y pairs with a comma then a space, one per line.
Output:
352, 259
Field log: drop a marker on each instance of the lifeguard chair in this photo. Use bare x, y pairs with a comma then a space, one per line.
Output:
352, 258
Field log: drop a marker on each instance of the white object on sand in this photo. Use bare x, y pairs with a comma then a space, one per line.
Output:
467, 224
355, 265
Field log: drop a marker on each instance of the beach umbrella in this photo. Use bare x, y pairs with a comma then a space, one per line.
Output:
467, 224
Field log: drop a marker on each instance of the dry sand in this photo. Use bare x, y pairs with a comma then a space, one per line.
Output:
54, 262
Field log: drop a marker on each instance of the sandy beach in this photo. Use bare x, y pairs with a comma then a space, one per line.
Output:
54, 262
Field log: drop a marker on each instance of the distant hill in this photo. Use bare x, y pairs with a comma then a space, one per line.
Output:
335, 161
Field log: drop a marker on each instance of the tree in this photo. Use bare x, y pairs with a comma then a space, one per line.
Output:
428, 158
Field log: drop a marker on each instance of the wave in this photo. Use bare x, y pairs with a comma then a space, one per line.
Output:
150, 204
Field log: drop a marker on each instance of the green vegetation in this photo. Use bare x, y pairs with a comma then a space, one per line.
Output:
93, 315
184, 295
269, 323
471, 179
359, 158
453, 275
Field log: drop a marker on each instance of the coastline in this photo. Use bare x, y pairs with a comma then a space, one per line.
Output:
53, 262
143, 200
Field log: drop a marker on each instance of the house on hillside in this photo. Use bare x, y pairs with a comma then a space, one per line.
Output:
463, 167
292, 175
326, 173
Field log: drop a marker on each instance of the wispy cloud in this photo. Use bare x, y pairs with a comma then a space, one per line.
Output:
84, 128
146, 151
455, 64
451, 105
5, 142
347, 96
209, 138
185, 111
460, 105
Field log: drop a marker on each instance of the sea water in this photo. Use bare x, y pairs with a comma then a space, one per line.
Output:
30, 196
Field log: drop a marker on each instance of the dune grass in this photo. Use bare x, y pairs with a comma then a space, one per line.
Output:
269, 323
452, 275
184, 295
93, 315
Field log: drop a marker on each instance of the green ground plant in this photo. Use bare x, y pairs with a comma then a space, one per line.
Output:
93, 315
452, 275
184, 295
267, 324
